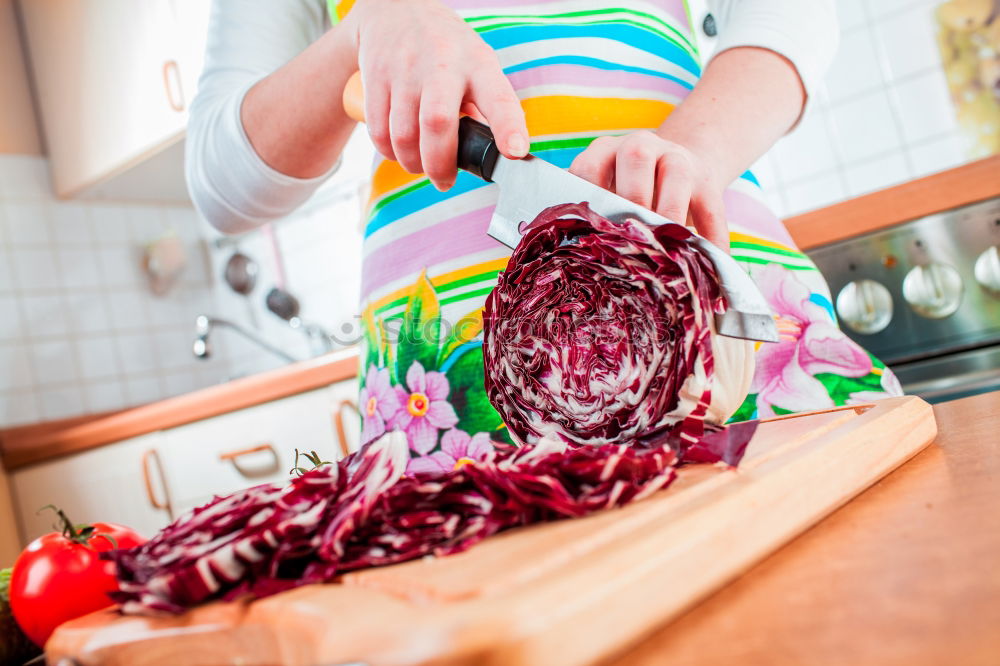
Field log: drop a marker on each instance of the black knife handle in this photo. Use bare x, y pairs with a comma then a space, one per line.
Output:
477, 151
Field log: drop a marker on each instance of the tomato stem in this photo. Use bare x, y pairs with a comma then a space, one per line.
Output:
81, 534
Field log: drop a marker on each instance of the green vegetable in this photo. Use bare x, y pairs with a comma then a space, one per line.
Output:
15, 648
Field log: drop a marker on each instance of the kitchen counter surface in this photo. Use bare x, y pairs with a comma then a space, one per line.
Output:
30, 444
906, 573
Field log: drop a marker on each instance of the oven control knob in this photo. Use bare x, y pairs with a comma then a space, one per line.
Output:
988, 270
933, 291
865, 306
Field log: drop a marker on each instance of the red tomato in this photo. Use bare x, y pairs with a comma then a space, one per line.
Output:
59, 576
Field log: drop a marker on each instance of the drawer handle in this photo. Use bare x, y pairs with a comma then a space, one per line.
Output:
172, 82
338, 423
149, 455
234, 457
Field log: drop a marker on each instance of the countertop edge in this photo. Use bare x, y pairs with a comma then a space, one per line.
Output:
914, 199
27, 445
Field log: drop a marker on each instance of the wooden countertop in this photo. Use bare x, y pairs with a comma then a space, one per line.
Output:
30, 444
938, 192
905, 574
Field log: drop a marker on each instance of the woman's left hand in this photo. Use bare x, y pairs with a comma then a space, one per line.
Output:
661, 175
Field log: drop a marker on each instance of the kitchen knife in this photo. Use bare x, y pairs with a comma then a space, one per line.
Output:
530, 185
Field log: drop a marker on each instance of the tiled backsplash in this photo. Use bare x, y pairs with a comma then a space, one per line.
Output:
80, 331
883, 116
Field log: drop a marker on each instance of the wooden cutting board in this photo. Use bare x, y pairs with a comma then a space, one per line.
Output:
569, 592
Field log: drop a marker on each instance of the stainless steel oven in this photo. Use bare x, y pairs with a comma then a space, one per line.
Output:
924, 296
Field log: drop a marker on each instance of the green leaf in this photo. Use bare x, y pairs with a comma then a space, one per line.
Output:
419, 335
374, 343
466, 329
746, 410
840, 388
468, 394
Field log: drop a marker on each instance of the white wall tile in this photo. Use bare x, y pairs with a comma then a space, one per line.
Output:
883, 8
178, 382
851, 13
185, 222
17, 370
864, 177
807, 151
908, 40
814, 193
98, 358
111, 224
11, 325
53, 362
938, 154
104, 396
120, 265
174, 347
6, 270
925, 108
865, 127
35, 268
855, 68
27, 223
140, 390
70, 224
138, 353
80, 319
128, 309
78, 267
61, 402
87, 312
44, 315
146, 223
19, 408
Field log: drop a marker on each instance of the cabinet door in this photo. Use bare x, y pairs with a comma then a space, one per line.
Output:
345, 414
245, 448
108, 82
104, 484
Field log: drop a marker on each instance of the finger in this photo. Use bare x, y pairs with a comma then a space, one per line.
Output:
471, 110
635, 170
377, 117
495, 98
597, 163
404, 127
709, 214
674, 185
439, 132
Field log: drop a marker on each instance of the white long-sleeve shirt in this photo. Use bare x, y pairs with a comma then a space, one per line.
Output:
249, 39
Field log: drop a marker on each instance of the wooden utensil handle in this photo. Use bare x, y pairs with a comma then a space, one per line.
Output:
354, 98
477, 150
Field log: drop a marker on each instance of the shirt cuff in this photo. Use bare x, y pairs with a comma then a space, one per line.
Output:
808, 39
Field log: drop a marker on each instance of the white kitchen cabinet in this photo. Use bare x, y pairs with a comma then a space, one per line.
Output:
147, 481
104, 484
114, 79
247, 447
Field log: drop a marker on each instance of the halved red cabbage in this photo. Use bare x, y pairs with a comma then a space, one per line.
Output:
600, 332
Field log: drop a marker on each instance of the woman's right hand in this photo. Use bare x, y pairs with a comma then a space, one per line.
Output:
421, 65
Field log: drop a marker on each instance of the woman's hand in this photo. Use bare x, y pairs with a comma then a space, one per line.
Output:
661, 175
420, 66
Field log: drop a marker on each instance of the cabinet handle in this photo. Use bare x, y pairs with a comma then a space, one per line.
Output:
234, 457
338, 423
172, 72
152, 454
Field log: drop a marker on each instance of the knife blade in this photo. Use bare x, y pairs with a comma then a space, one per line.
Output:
530, 185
